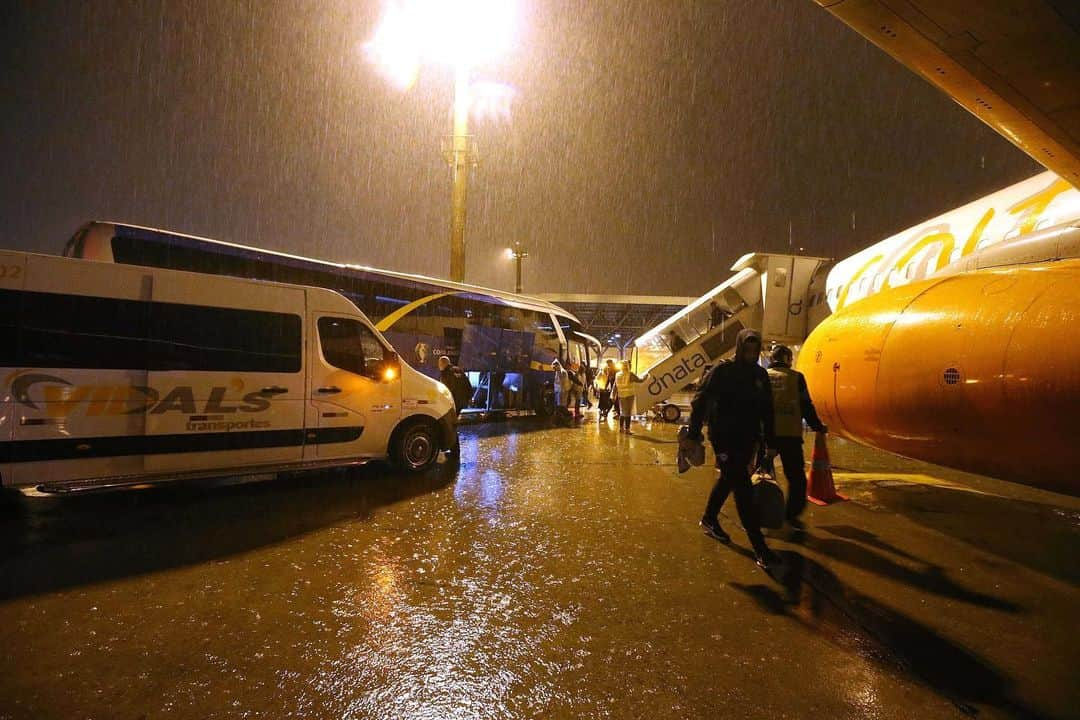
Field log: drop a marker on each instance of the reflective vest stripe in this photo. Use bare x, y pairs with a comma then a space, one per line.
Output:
786, 407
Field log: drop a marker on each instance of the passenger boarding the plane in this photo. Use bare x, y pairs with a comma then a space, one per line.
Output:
736, 402
605, 386
717, 315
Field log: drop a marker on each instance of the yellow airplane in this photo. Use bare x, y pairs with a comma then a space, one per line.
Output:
957, 341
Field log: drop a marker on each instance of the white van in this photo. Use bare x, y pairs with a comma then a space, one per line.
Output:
115, 374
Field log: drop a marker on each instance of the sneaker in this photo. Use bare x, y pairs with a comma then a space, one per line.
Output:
766, 559
796, 524
713, 530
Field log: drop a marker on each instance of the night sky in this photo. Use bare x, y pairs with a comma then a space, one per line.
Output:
650, 143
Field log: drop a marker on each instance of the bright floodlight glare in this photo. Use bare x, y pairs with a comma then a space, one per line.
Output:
462, 33
509, 253
395, 48
465, 32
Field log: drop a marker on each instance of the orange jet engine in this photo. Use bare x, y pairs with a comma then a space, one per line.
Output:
978, 371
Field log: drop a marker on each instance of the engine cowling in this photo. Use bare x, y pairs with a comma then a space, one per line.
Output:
978, 371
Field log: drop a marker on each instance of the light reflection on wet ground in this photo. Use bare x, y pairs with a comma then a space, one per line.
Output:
557, 572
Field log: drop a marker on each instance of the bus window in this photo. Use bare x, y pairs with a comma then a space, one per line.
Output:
576, 353
508, 318
546, 345
350, 345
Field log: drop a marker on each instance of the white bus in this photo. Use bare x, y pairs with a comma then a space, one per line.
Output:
504, 341
116, 374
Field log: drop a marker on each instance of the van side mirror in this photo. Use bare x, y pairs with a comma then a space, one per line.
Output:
390, 367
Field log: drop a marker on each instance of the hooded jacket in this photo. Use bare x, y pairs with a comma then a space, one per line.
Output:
736, 401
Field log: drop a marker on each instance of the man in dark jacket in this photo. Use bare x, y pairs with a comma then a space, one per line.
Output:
792, 404
736, 401
457, 382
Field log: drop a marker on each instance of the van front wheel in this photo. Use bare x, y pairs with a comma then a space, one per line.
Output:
415, 447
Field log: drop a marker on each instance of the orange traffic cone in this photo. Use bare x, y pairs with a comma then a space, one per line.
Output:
821, 490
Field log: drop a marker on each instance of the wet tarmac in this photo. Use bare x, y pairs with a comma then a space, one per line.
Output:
554, 573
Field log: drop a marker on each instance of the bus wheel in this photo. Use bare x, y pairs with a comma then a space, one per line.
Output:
416, 447
671, 413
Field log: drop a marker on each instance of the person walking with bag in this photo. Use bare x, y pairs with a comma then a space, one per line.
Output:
605, 386
736, 401
792, 404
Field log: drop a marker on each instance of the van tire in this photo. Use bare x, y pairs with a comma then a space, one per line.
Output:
414, 446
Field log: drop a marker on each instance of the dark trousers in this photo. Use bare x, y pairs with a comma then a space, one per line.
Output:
625, 411
734, 475
790, 450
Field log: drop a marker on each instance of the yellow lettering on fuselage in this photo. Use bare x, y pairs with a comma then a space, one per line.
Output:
976, 234
1029, 211
1031, 208
855, 278
947, 242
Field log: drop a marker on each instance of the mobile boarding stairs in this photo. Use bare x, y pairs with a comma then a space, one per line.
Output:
767, 291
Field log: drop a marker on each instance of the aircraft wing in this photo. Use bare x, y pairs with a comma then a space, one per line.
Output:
1015, 64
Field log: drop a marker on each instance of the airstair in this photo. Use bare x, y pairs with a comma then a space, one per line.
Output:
768, 292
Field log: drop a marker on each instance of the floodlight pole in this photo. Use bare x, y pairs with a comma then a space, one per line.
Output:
517, 285
519, 255
460, 159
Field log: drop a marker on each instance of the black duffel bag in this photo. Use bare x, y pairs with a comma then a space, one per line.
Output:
769, 499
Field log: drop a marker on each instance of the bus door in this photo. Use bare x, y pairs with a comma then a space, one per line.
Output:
227, 379
355, 393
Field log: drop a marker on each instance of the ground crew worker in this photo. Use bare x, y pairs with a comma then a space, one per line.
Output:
736, 402
792, 405
623, 380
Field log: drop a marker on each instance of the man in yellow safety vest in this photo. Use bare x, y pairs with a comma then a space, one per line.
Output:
791, 405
